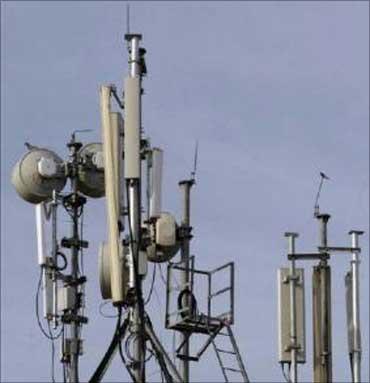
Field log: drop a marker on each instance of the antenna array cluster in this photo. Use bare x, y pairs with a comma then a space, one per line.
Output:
139, 238
292, 349
116, 169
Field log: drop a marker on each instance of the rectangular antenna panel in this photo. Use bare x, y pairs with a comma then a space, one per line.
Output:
47, 287
284, 315
155, 206
110, 177
40, 233
132, 127
116, 122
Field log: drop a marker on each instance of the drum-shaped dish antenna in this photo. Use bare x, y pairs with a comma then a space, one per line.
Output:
91, 170
37, 174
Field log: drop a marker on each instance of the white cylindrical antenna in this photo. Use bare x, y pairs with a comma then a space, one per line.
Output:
135, 66
132, 127
155, 187
110, 192
132, 93
40, 233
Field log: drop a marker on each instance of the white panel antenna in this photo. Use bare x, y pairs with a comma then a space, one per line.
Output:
117, 148
43, 222
40, 233
110, 174
155, 202
284, 317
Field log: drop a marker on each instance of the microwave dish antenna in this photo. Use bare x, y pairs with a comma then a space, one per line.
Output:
37, 174
91, 170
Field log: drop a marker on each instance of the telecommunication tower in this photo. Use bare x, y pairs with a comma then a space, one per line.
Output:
127, 170
116, 169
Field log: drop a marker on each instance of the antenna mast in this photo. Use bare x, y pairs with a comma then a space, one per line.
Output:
75, 201
133, 183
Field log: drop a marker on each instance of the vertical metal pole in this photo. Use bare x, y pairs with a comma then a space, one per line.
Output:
323, 233
54, 258
138, 343
185, 277
232, 298
322, 312
355, 264
133, 175
148, 158
74, 349
293, 317
74, 325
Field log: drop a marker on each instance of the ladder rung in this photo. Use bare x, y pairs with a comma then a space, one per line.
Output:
220, 292
191, 358
226, 351
232, 369
222, 334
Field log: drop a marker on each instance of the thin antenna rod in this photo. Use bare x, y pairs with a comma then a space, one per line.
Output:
128, 18
195, 161
316, 208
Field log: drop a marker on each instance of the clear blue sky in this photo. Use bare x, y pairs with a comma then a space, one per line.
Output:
274, 91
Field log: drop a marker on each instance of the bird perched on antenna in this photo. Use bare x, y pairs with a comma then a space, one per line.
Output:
29, 146
324, 176
316, 208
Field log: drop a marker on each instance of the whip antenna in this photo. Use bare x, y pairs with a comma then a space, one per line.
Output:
128, 18
323, 177
195, 161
